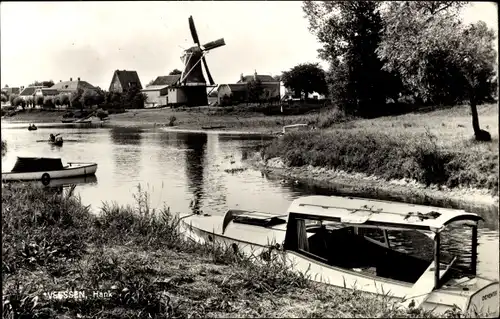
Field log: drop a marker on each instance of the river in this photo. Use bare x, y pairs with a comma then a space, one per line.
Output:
180, 170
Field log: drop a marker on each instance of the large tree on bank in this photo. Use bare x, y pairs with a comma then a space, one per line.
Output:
350, 34
423, 36
305, 78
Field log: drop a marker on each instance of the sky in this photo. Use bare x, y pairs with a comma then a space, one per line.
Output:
63, 40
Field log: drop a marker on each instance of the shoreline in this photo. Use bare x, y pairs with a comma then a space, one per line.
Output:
191, 121
149, 270
357, 184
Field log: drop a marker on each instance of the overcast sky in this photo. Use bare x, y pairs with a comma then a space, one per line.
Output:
59, 40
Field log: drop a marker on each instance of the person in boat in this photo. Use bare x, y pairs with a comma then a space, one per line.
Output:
52, 137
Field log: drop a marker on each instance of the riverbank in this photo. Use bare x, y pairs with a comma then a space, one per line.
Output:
198, 118
129, 262
433, 151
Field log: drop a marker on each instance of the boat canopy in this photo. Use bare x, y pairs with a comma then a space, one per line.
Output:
351, 210
36, 164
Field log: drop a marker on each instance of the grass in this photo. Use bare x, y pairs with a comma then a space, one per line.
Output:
432, 148
52, 243
4, 147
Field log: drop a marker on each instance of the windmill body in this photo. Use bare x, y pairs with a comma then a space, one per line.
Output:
192, 85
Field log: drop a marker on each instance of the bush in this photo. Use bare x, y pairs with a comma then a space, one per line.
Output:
171, 120
101, 114
4, 147
387, 157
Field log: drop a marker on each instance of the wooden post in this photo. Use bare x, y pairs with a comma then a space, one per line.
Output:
474, 250
436, 260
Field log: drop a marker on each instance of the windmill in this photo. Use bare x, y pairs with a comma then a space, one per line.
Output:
192, 80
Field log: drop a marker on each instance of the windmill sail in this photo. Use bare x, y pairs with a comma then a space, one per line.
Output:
194, 59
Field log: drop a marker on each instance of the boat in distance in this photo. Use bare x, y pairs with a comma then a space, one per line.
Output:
349, 242
45, 169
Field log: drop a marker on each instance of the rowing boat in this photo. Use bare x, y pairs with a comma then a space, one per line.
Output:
348, 242
45, 169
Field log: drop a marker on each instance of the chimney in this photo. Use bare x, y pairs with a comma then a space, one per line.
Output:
255, 75
78, 78
242, 78
71, 79
60, 81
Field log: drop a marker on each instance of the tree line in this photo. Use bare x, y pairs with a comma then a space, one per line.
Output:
385, 54
131, 98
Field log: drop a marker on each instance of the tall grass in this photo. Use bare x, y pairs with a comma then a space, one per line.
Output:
51, 242
388, 156
4, 147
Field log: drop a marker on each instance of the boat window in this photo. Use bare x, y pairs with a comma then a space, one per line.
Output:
264, 222
354, 248
375, 234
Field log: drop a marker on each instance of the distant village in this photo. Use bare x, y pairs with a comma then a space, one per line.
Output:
164, 90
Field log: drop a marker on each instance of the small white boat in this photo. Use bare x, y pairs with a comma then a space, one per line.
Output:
347, 242
45, 169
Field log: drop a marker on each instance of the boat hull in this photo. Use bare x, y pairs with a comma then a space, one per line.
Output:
440, 301
72, 170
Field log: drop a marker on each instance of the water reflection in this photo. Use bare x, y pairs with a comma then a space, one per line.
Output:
126, 149
195, 158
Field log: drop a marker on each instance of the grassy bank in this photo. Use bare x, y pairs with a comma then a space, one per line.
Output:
433, 148
52, 243
241, 118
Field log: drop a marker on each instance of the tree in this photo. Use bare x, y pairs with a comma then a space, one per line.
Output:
4, 98
350, 33
43, 83
175, 72
39, 100
305, 78
75, 99
30, 101
423, 37
90, 97
255, 90
65, 99
48, 102
19, 101
12, 97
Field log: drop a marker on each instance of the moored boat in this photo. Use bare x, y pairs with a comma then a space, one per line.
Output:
346, 242
45, 169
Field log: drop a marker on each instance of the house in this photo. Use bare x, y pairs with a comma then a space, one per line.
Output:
163, 91
239, 90
29, 92
232, 93
46, 92
72, 86
12, 90
123, 79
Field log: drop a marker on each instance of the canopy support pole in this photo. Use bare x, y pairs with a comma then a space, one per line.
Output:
436, 260
474, 250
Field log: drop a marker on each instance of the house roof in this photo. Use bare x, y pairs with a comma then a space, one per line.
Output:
125, 77
30, 90
350, 210
154, 87
49, 91
239, 87
166, 79
72, 85
261, 77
